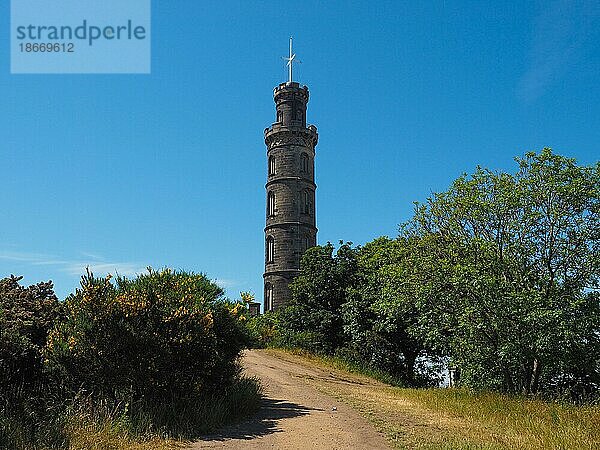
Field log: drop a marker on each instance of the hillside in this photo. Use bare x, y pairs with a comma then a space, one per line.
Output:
408, 418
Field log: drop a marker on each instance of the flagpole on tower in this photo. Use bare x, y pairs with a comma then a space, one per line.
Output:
290, 62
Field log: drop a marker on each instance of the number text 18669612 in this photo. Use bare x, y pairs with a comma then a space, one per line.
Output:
57, 47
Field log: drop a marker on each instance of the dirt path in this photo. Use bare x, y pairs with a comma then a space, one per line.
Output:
294, 415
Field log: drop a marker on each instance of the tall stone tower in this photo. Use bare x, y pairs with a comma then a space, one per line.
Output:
291, 218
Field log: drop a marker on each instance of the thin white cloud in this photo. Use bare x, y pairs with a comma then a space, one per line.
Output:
34, 258
559, 32
95, 263
92, 256
123, 268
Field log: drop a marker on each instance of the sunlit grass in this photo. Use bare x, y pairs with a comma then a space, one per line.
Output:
454, 418
519, 422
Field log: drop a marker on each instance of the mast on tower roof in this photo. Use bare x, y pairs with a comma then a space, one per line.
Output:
290, 61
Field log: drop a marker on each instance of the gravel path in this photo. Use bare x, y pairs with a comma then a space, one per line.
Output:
294, 415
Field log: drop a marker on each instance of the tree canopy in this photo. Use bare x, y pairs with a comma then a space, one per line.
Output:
499, 276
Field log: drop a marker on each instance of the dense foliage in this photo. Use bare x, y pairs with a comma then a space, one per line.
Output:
319, 292
26, 316
131, 337
516, 260
158, 354
499, 277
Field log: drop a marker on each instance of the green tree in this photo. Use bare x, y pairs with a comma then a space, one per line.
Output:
313, 316
505, 269
378, 316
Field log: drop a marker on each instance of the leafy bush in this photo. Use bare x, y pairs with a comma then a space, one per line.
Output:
27, 399
263, 330
164, 334
120, 362
27, 315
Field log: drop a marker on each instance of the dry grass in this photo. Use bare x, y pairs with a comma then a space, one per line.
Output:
85, 424
182, 421
108, 437
457, 419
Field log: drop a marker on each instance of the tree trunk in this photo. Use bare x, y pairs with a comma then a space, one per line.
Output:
410, 358
508, 381
535, 376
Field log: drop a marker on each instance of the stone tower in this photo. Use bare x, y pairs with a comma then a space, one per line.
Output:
291, 224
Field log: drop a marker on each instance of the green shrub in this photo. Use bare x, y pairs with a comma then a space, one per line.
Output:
120, 362
162, 335
269, 331
263, 330
27, 399
27, 315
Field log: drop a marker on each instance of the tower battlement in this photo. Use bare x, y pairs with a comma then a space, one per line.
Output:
293, 88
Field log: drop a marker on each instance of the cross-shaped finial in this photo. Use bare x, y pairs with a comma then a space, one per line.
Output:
291, 60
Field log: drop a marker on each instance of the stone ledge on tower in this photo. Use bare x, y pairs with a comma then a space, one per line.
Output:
278, 134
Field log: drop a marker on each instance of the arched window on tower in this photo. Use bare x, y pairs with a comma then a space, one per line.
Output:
299, 115
304, 162
307, 202
271, 165
268, 297
279, 116
270, 249
271, 203
305, 208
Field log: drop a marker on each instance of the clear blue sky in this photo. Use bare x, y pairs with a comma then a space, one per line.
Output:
168, 169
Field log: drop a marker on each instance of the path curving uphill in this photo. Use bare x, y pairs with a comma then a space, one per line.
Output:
294, 414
